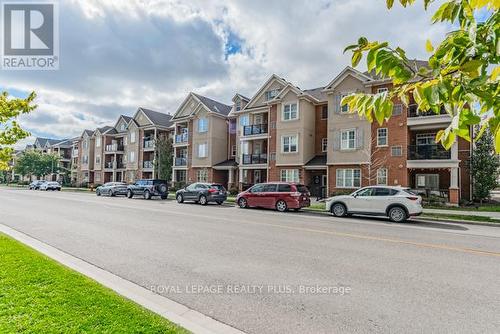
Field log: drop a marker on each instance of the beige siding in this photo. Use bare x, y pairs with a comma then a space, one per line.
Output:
262, 98
201, 138
218, 130
338, 121
132, 147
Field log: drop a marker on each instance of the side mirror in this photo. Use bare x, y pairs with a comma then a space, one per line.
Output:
355, 195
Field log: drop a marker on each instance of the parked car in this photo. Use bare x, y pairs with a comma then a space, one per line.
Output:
202, 193
51, 185
112, 189
397, 203
35, 185
148, 188
275, 195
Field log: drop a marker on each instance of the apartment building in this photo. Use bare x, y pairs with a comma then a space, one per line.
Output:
63, 149
85, 171
202, 152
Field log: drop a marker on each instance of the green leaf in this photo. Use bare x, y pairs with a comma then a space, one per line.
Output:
471, 66
448, 139
497, 140
428, 46
356, 58
390, 3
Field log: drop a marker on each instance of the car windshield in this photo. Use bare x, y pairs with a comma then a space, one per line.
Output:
217, 186
408, 191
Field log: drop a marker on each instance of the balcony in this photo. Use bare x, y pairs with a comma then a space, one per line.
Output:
147, 164
182, 138
256, 129
428, 152
414, 112
253, 159
113, 148
180, 161
148, 144
75, 153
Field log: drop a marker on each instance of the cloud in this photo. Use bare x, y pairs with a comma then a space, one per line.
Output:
117, 55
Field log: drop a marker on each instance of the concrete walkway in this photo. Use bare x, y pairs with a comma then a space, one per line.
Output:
495, 215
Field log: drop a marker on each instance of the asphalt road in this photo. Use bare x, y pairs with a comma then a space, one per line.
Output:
257, 270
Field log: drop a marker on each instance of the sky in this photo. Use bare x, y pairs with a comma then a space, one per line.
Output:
116, 56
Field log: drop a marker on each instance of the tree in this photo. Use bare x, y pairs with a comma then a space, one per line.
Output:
35, 163
164, 157
10, 131
484, 167
462, 75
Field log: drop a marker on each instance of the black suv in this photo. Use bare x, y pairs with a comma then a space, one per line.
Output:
148, 189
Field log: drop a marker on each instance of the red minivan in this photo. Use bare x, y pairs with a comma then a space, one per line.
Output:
275, 195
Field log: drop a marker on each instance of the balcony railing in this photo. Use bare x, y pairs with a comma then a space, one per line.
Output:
147, 164
113, 148
182, 138
251, 159
414, 112
255, 129
181, 161
428, 152
149, 143
109, 165
75, 153
114, 165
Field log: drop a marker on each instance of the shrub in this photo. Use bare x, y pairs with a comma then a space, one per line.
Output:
233, 191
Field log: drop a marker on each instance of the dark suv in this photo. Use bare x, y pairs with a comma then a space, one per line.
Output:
148, 189
202, 193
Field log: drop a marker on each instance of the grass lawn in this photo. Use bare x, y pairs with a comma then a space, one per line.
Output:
438, 216
484, 208
38, 295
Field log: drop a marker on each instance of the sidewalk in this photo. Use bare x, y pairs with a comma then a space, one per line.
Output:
495, 215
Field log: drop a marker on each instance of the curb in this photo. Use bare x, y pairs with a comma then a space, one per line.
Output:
183, 316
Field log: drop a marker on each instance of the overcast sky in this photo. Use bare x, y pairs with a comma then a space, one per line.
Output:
118, 55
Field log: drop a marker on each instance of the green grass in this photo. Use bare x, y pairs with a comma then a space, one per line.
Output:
38, 295
483, 208
315, 207
439, 216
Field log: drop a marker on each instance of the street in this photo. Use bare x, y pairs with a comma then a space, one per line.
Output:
267, 272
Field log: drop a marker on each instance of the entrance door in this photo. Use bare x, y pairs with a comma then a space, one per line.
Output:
257, 176
324, 182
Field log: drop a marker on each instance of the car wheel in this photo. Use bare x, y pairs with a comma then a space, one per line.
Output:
147, 194
130, 194
112, 193
180, 198
220, 202
98, 192
203, 200
58, 189
339, 210
281, 206
243, 203
397, 214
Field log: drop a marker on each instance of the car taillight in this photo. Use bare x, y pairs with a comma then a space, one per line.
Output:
413, 198
212, 190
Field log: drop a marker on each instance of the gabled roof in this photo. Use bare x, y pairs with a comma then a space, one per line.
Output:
88, 132
318, 160
317, 93
43, 142
261, 89
125, 118
214, 106
242, 97
103, 130
157, 118
63, 142
348, 71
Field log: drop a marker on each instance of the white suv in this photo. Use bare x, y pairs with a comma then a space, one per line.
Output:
397, 203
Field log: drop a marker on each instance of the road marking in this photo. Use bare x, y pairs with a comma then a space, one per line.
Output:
302, 229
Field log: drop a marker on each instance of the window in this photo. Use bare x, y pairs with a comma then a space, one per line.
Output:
382, 90
202, 125
238, 105
98, 159
232, 126
98, 141
269, 188
290, 112
385, 192
132, 137
125, 140
382, 176
181, 176
85, 144
290, 175
97, 176
348, 178
202, 175
85, 159
428, 181
365, 192
343, 108
396, 151
258, 188
324, 144
233, 150
122, 127
348, 139
245, 120
202, 150
426, 138
289, 144
324, 112
132, 156
382, 137
284, 188
271, 94
397, 109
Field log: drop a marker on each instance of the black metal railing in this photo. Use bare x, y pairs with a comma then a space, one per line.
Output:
251, 159
149, 143
147, 164
255, 129
181, 161
414, 112
428, 152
